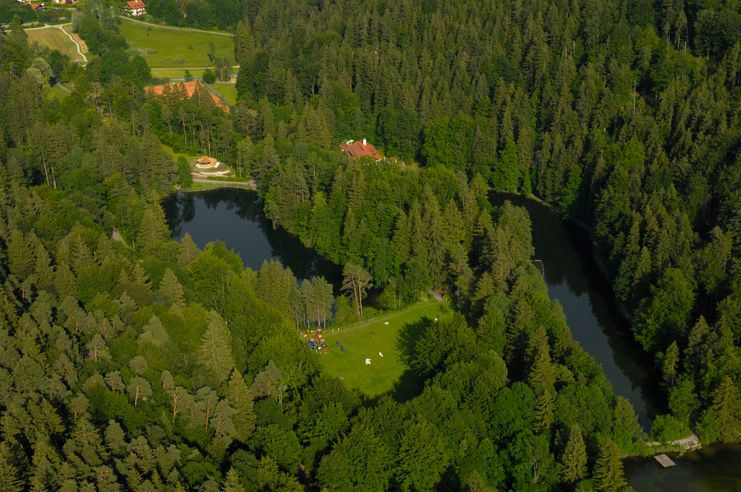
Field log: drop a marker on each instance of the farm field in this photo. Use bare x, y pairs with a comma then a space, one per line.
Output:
54, 38
365, 339
164, 47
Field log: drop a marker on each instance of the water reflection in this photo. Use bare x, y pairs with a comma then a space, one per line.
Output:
235, 217
574, 279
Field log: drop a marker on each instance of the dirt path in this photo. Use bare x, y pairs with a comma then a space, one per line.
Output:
247, 184
187, 29
79, 43
189, 68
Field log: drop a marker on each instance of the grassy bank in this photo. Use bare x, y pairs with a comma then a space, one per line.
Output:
55, 39
365, 339
176, 49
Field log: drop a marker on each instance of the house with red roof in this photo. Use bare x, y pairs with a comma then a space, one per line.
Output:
360, 148
135, 8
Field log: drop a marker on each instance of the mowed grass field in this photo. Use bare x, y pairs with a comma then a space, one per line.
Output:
172, 48
367, 339
228, 91
55, 39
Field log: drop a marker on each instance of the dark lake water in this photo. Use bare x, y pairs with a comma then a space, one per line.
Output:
235, 217
575, 280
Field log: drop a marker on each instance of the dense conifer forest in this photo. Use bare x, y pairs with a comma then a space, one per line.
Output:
132, 361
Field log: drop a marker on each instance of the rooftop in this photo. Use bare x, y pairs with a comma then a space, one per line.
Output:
190, 88
360, 148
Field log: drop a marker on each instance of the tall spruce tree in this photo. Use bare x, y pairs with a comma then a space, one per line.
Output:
608, 470
215, 353
574, 459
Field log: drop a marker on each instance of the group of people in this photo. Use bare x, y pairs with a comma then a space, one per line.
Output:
315, 340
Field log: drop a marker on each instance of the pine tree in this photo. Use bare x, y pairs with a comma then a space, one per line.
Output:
574, 459
608, 471
139, 389
9, 473
188, 251
626, 429
545, 407
542, 373
215, 353
240, 398
356, 280
20, 255
232, 482
722, 420
171, 289
153, 230
669, 363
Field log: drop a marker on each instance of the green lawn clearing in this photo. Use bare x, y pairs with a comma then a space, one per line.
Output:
57, 92
173, 48
366, 339
227, 91
55, 39
190, 158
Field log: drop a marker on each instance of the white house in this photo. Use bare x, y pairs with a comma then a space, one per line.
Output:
135, 8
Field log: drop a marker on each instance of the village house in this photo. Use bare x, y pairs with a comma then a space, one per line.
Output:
66, 2
36, 7
135, 8
188, 88
360, 148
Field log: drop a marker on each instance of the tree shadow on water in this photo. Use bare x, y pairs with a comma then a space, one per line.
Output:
411, 383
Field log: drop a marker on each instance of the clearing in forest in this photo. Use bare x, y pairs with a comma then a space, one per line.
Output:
366, 339
55, 38
166, 48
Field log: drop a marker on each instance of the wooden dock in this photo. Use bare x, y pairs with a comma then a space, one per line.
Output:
664, 460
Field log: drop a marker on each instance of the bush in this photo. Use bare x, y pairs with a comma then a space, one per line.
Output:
209, 76
668, 428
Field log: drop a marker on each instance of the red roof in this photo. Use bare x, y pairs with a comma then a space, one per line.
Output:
360, 148
136, 4
190, 89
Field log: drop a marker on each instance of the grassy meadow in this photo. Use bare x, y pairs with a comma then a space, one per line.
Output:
164, 47
53, 38
227, 91
368, 338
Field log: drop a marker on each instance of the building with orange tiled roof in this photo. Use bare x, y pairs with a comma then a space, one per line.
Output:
360, 148
136, 8
189, 88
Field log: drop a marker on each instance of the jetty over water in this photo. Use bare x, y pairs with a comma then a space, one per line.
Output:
664, 460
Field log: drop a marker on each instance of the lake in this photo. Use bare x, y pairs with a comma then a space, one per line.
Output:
236, 217
575, 280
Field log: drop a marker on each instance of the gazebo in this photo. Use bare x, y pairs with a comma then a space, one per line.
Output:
205, 162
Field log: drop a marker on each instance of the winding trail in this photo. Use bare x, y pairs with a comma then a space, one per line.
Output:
242, 184
79, 48
61, 28
174, 28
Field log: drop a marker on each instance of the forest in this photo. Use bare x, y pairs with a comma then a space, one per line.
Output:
131, 361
